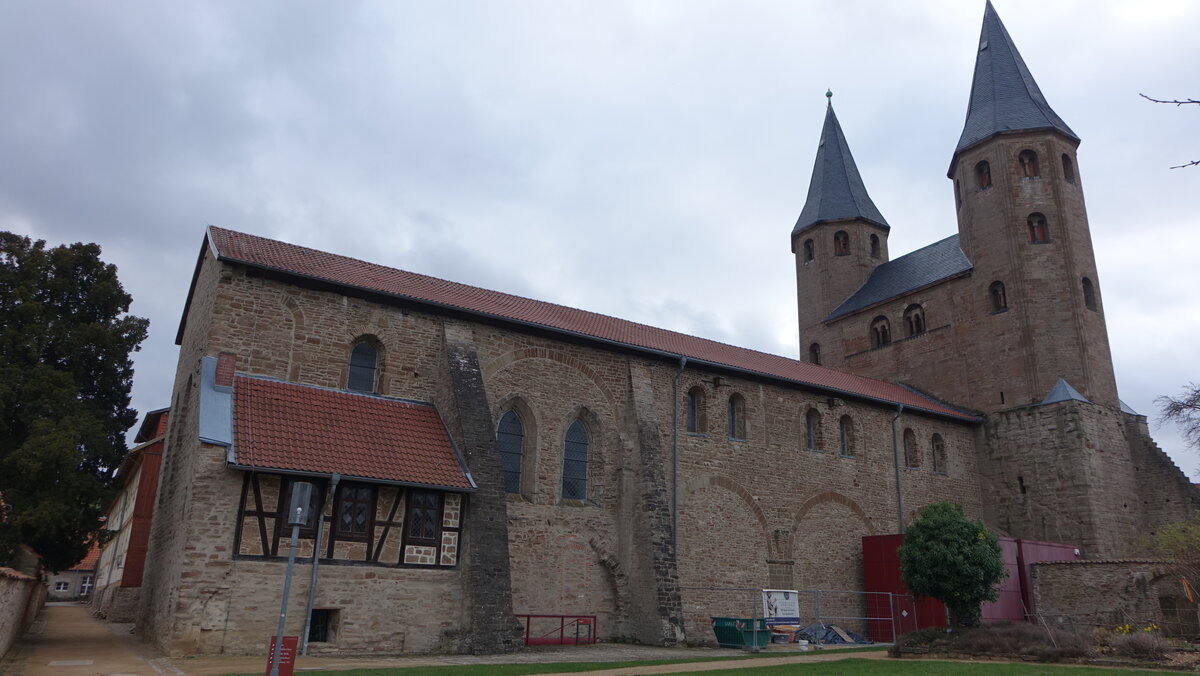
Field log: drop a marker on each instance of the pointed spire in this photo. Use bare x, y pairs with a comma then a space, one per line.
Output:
1004, 96
836, 191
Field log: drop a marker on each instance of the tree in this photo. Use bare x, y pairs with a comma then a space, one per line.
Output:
65, 375
1184, 411
1179, 543
953, 559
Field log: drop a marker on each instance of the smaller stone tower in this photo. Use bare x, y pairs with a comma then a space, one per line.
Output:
838, 239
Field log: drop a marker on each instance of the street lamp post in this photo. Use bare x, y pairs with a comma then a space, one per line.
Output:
297, 516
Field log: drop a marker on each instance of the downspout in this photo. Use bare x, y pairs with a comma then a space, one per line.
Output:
312, 583
896, 462
675, 462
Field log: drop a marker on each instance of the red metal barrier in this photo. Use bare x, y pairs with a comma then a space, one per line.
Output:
571, 629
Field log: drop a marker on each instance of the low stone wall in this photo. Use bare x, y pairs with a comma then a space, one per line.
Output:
1100, 593
20, 598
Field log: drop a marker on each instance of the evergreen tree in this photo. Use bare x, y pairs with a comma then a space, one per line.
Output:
953, 559
65, 376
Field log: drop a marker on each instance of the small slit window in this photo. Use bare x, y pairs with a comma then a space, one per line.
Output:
363, 360
1039, 232
1029, 164
841, 243
938, 447
876, 249
983, 175
696, 418
912, 455
1089, 294
510, 438
998, 297
323, 625
737, 417
814, 354
812, 430
810, 250
846, 436
575, 462
1068, 169
914, 320
881, 331
957, 193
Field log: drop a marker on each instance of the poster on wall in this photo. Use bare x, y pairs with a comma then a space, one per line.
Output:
781, 606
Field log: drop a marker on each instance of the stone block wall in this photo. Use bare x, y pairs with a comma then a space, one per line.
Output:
1082, 594
21, 596
1166, 493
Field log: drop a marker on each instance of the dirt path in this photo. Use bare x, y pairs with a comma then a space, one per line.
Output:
66, 641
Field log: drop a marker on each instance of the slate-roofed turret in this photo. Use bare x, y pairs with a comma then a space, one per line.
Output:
1004, 96
836, 191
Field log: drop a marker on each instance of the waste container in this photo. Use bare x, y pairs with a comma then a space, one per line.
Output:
739, 632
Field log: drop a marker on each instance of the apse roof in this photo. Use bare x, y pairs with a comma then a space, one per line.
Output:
933, 263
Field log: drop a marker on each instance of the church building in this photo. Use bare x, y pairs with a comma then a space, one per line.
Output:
479, 456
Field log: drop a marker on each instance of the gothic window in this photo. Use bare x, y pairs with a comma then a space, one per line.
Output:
810, 251
881, 331
355, 511
1039, 232
912, 456
737, 417
575, 462
697, 422
938, 448
875, 248
812, 430
1089, 294
999, 299
841, 243
1029, 164
424, 519
1068, 169
983, 175
363, 360
914, 320
814, 354
845, 436
510, 438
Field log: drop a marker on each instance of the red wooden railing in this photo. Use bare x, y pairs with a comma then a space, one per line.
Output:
571, 630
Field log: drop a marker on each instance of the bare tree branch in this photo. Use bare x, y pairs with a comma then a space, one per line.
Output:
1189, 164
1176, 102
1184, 411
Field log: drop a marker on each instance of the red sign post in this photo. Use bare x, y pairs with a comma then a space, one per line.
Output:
287, 656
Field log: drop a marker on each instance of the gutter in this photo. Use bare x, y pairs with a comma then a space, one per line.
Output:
896, 463
312, 584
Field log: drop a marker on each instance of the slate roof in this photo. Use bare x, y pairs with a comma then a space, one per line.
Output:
301, 428
348, 273
938, 261
1004, 96
836, 190
1062, 391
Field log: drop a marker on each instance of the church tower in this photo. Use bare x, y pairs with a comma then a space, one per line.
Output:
1023, 225
839, 238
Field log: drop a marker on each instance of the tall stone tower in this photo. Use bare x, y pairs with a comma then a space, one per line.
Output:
839, 238
1023, 225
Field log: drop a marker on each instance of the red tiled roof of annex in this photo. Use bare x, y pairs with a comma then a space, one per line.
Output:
350, 272
302, 428
91, 559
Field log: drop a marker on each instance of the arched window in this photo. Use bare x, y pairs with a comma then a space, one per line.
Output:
1089, 294
1068, 169
812, 430
912, 455
697, 418
881, 331
510, 438
361, 375
999, 299
737, 417
814, 354
914, 320
810, 250
938, 448
575, 463
1039, 232
876, 250
845, 436
1029, 164
983, 175
841, 243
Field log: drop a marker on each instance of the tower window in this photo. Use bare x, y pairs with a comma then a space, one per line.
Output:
510, 438
737, 417
846, 436
957, 193
1039, 232
697, 421
814, 354
575, 462
875, 248
999, 298
983, 175
1029, 164
1089, 294
914, 320
881, 331
809, 251
938, 447
912, 455
841, 243
1068, 169
363, 360
812, 430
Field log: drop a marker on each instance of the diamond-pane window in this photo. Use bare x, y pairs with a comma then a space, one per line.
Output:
356, 503
575, 462
510, 438
424, 515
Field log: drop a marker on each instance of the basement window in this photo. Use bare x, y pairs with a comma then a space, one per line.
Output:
323, 626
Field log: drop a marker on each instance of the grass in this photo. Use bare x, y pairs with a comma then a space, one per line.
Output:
906, 667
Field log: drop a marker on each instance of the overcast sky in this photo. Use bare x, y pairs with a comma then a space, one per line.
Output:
640, 159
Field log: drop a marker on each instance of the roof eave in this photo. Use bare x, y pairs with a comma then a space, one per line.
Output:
833, 317
799, 229
346, 477
1070, 138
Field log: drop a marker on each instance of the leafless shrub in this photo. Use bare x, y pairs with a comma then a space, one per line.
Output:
1142, 644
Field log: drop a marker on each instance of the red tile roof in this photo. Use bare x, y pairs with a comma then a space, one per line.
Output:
89, 561
302, 428
348, 272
